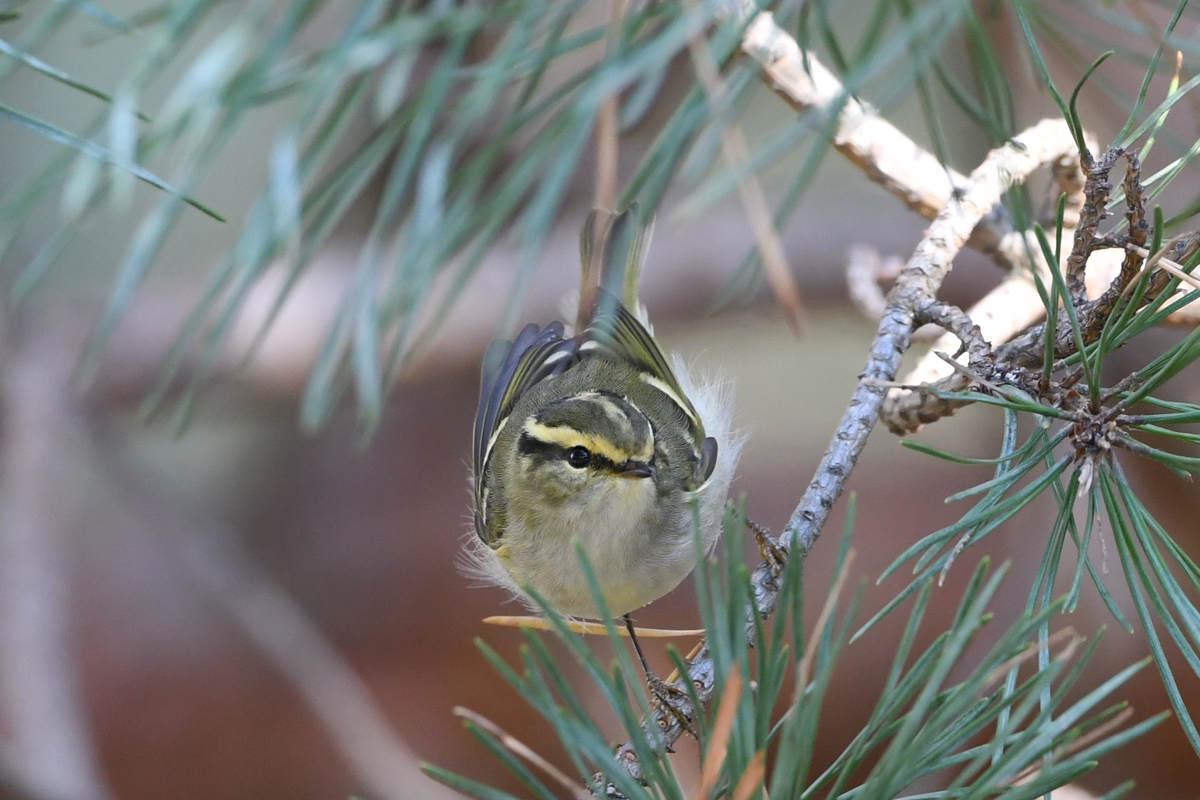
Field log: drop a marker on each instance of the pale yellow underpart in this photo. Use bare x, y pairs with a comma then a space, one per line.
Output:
626, 555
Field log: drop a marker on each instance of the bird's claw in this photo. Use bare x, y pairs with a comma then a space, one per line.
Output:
772, 550
671, 697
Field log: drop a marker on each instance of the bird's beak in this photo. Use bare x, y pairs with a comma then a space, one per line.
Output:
635, 469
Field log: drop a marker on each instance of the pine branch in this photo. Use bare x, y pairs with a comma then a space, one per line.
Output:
914, 294
913, 301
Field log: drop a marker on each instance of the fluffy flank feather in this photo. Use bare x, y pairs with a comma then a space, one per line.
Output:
713, 398
480, 563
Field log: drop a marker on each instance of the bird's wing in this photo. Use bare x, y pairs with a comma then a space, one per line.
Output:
509, 370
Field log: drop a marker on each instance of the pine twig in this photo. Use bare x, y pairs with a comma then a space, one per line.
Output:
585, 628
915, 176
516, 746
884, 153
1001, 314
914, 295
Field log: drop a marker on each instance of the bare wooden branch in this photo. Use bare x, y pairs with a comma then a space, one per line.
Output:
912, 300
884, 153
866, 270
915, 291
890, 158
1003, 313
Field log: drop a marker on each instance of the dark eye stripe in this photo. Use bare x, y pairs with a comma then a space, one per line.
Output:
600, 420
541, 451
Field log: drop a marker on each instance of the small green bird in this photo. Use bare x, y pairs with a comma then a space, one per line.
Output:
595, 438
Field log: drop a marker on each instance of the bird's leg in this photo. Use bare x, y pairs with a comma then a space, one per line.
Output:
772, 550
667, 695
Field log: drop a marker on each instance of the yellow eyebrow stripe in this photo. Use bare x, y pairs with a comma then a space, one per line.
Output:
565, 436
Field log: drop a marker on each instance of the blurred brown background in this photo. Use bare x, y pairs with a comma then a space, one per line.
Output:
251, 611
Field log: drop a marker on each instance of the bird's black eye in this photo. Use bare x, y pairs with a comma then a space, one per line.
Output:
578, 457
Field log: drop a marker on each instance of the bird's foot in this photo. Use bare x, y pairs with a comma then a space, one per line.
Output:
674, 700
772, 550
